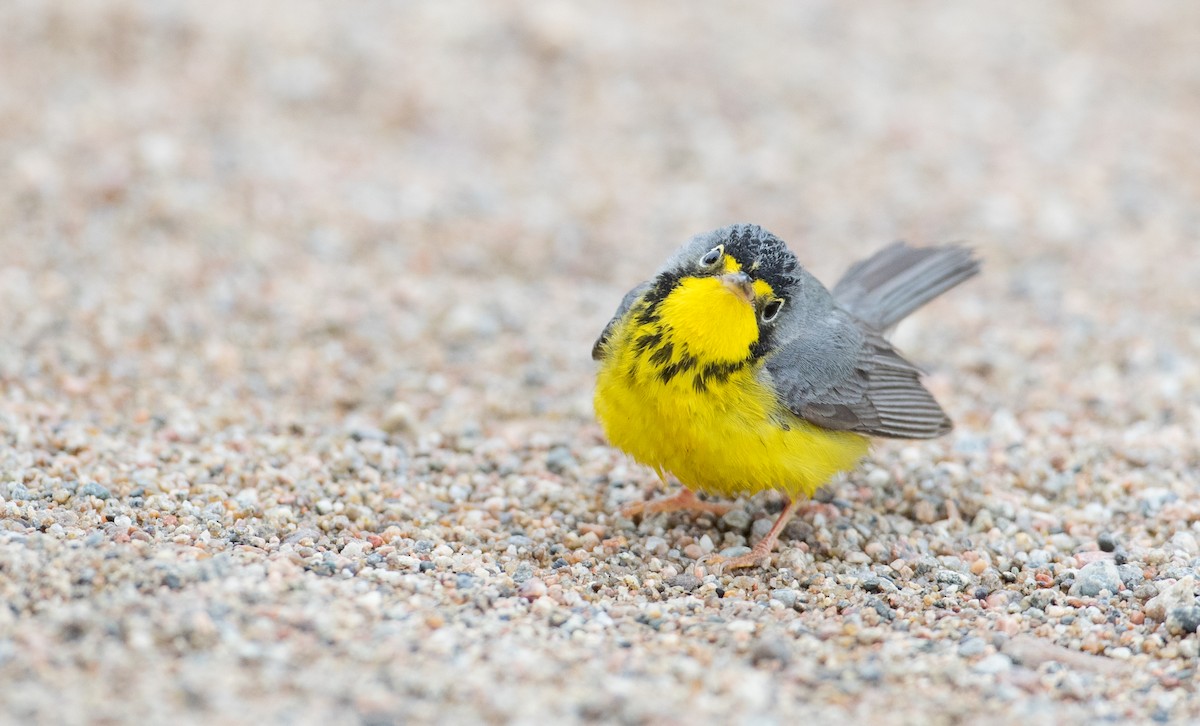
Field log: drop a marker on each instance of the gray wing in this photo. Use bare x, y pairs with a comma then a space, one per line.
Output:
598, 348
838, 375
886, 287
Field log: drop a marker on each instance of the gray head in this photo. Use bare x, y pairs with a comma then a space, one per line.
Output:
794, 298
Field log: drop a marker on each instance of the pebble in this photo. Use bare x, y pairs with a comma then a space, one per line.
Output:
1097, 577
736, 519
1183, 620
686, 581
560, 460
993, 664
296, 390
971, 647
533, 589
92, 489
786, 595
1181, 594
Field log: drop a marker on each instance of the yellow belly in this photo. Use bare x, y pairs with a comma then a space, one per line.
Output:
731, 439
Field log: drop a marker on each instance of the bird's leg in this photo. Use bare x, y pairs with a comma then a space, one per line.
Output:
685, 500
762, 550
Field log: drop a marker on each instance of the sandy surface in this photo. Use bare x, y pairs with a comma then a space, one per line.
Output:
295, 397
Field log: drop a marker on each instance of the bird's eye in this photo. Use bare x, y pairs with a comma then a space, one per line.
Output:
713, 256
771, 310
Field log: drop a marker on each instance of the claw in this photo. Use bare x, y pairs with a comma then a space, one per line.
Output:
685, 500
761, 551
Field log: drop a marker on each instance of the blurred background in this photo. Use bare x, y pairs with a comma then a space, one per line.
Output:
316, 210
296, 306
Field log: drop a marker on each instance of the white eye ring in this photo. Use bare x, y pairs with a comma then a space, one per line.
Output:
713, 256
771, 310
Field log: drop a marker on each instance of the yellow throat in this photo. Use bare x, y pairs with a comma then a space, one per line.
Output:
679, 389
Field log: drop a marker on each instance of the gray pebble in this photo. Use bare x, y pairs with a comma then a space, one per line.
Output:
1041, 599
1096, 577
1183, 620
767, 651
993, 664
952, 578
1131, 575
734, 551
92, 489
878, 584
656, 545
759, 529
736, 519
559, 460
971, 647
523, 573
787, 596
1181, 594
685, 581
368, 433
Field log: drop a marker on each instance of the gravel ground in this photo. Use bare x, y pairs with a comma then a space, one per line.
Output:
295, 398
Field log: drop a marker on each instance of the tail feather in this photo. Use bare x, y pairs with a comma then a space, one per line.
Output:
885, 288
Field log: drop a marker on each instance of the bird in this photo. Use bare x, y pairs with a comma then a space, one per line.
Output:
734, 370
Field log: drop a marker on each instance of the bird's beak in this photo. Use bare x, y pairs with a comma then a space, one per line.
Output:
739, 284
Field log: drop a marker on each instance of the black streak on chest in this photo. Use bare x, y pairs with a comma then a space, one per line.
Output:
717, 373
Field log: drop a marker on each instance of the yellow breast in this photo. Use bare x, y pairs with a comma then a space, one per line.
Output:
680, 392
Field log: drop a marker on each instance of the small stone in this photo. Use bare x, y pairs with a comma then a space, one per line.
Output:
770, 651
1107, 542
878, 584
559, 460
324, 506
994, 664
729, 552
523, 573
1183, 620
953, 579
1096, 577
368, 433
971, 647
92, 489
1185, 542
656, 545
399, 419
1181, 594
532, 589
1131, 575
983, 521
787, 596
925, 512
736, 519
685, 581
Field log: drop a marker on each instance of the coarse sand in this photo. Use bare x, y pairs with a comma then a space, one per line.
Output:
296, 302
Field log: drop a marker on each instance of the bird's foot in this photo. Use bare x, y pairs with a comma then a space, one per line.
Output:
761, 551
684, 500
757, 556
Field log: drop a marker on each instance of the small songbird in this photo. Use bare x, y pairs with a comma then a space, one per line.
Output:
736, 371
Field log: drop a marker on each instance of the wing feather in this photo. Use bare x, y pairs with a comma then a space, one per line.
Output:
599, 348
841, 376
